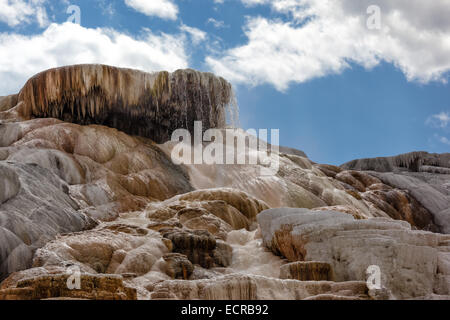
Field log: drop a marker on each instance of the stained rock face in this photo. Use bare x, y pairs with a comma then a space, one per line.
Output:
425, 176
105, 250
413, 264
244, 287
57, 177
107, 171
307, 271
34, 208
200, 247
76, 191
178, 266
150, 105
150, 246
301, 183
397, 203
92, 287
8, 102
217, 211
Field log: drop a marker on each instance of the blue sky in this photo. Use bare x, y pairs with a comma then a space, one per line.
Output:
336, 87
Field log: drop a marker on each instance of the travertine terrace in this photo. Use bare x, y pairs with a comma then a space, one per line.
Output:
151, 105
87, 182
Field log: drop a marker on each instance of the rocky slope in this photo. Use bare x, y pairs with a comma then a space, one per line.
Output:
425, 176
75, 192
413, 264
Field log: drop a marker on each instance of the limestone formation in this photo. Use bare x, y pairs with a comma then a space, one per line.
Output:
413, 162
85, 186
413, 264
307, 271
8, 102
92, 287
150, 105
104, 250
398, 204
425, 176
178, 266
200, 247
34, 208
107, 171
243, 287
217, 211
301, 183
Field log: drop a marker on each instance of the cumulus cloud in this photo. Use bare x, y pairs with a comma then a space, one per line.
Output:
315, 38
164, 9
15, 12
196, 35
63, 44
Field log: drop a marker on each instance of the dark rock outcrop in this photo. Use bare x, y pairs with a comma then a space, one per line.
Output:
200, 247
151, 105
178, 266
307, 271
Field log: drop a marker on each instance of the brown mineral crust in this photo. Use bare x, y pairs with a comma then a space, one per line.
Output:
151, 105
307, 271
200, 247
178, 266
92, 287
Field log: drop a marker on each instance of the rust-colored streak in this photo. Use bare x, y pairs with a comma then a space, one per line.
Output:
151, 105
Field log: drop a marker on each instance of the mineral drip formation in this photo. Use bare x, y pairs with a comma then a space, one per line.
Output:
150, 105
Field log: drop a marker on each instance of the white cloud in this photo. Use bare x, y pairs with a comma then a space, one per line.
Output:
15, 12
444, 140
164, 9
64, 44
440, 120
248, 3
197, 35
254, 2
216, 23
321, 37
107, 7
